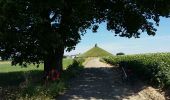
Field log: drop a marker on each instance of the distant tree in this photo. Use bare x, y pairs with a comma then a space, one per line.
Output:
64, 56
95, 45
32, 31
120, 53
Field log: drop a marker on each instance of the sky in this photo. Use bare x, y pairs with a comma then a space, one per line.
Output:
115, 44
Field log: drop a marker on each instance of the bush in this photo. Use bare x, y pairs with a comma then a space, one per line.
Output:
79, 60
75, 68
120, 53
29, 85
49, 91
52, 89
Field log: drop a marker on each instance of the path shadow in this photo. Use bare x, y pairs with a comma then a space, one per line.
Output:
101, 83
167, 93
11, 83
15, 78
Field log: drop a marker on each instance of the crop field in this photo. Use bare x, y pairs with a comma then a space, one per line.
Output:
152, 68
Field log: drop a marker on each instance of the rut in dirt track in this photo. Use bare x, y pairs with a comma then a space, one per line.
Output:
102, 83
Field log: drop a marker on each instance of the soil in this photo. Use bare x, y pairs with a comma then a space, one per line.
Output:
103, 81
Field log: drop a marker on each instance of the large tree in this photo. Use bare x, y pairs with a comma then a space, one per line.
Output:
32, 31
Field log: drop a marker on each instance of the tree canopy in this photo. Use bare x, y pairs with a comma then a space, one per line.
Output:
36, 30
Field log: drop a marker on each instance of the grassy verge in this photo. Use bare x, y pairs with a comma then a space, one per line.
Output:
67, 62
5, 66
27, 83
153, 68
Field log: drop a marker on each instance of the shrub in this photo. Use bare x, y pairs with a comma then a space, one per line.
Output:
75, 68
28, 87
120, 53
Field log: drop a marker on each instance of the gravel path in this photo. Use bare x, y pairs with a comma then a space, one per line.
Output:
101, 81
95, 63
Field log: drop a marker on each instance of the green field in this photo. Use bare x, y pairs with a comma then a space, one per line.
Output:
5, 66
152, 68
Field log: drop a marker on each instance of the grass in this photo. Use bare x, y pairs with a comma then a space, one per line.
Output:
26, 83
96, 52
5, 66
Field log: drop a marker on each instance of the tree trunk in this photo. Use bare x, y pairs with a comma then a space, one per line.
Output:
59, 59
53, 66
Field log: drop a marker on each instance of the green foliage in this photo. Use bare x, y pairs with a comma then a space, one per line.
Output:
31, 30
80, 60
154, 68
75, 68
67, 62
27, 84
51, 90
96, 52
120, 53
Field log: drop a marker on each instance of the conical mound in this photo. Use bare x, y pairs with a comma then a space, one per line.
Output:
96, 52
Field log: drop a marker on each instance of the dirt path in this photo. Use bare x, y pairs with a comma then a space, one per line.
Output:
101, 81
95, 63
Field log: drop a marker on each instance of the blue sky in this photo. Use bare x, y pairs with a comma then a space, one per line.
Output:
145, 44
